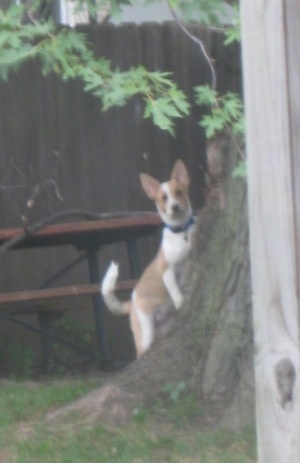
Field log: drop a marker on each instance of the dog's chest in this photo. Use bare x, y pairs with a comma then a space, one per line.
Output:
176, 246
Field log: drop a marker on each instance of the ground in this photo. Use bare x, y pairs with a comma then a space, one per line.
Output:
31, 431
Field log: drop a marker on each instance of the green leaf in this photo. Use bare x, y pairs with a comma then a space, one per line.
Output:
212, 125
180, 100
226, 111
239, 126
12, 59
233, 33
240, 171
232, 105
205, 95
174, 390
157, 110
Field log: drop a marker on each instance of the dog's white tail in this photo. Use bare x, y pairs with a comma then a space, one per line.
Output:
108, 291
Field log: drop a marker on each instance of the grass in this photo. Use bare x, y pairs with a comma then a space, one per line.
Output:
24, 438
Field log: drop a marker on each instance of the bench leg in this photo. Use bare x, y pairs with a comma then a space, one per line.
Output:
47, 345
48, 337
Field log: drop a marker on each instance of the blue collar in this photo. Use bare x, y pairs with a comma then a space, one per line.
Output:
181, 228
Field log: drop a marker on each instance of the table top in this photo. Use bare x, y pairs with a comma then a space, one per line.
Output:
87, 233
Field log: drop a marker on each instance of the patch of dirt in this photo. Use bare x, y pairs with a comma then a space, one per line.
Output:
6, 456
24, 431
108, 404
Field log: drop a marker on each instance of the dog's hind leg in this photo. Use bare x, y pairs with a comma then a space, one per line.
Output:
142, 326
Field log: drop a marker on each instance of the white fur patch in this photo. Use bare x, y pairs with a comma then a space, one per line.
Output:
147, 328
171, 201
170, 282
176, 246
110, 279
107, 288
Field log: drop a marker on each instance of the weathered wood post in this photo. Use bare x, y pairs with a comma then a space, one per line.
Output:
271, 63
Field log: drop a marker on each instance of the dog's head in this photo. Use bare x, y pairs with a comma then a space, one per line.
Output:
171, 197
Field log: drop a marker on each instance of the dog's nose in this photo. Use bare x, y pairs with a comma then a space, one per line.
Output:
175, 208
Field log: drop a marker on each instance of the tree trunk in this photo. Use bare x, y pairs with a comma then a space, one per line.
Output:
210, 346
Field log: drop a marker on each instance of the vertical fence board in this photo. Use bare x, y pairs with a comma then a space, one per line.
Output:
270, 115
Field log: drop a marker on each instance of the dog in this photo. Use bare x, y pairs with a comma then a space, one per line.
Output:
158, 288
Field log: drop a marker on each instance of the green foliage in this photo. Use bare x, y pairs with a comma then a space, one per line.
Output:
207, 11
68, 53
177, 403
174, 390
164, 109
17, 40
26, 34
226, 115
140, 414
226, 111
233, 33
240, 171
164, 102
93, 6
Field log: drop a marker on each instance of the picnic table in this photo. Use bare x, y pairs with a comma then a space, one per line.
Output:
88, 236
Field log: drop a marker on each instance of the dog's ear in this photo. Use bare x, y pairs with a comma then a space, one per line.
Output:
180, 173
150, 185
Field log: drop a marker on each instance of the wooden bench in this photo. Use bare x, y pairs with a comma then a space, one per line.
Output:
27, 302
87, 236
87, 289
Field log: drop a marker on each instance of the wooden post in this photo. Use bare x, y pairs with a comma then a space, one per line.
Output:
270, 42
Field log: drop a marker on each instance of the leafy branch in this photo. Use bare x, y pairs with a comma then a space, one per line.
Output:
233, 33
226, 116
69, 54
209, 11
164, 101
226, 111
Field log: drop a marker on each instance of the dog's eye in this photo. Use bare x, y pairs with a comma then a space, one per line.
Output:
164, 198
179, 193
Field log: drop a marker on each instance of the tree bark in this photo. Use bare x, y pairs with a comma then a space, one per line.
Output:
210, 346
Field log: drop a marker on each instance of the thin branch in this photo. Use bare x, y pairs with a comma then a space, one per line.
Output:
19, 172
13, 187
235, 142
209, 61
201, 45
51, 182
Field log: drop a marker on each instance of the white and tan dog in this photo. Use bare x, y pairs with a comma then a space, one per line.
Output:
158, 287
